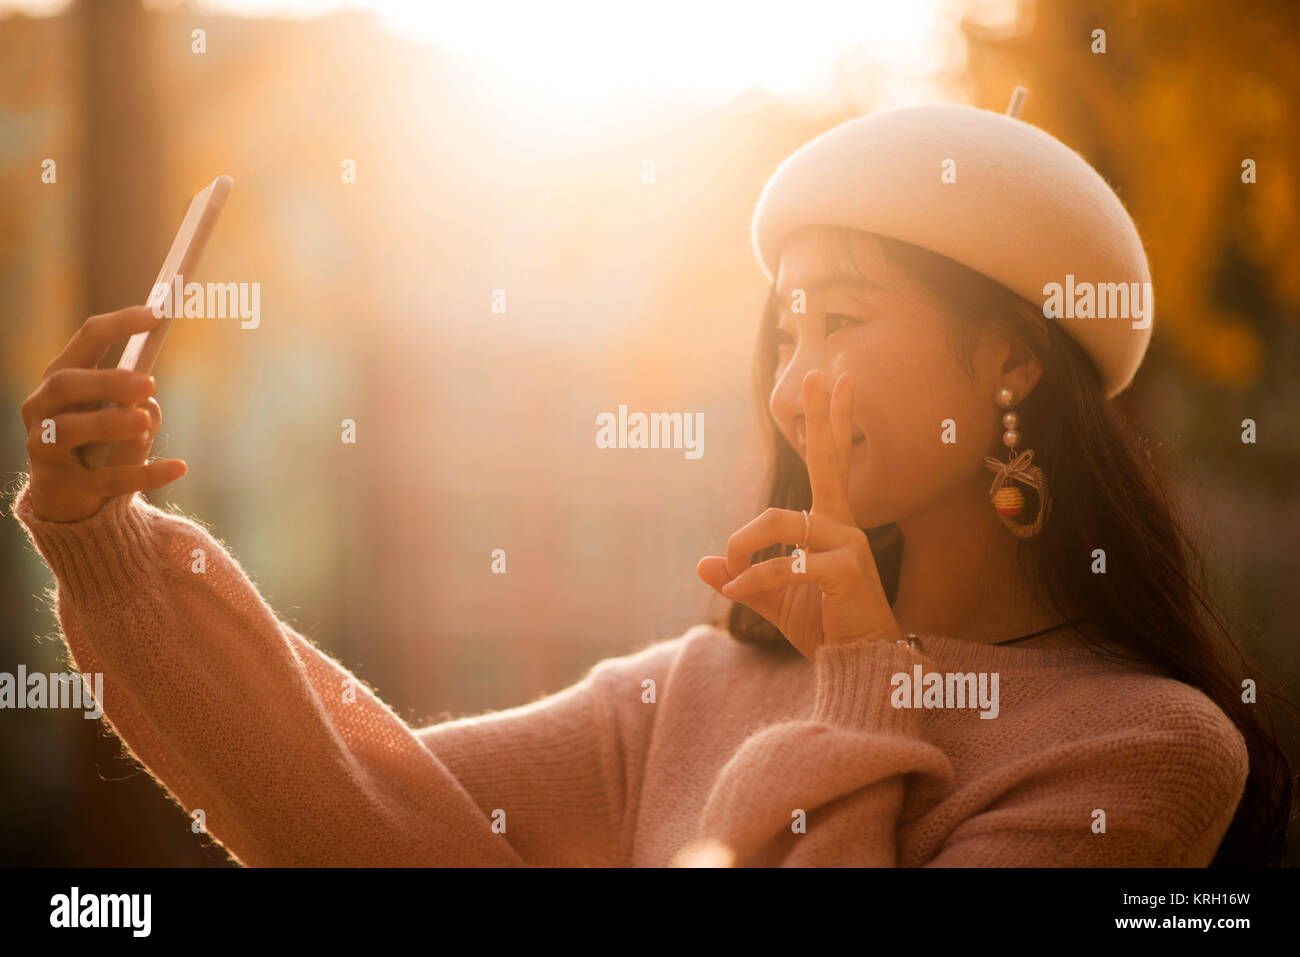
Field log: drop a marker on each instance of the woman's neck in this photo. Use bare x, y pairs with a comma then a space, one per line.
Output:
960, 578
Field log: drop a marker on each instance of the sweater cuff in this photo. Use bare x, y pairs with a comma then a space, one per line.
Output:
855, 686
95, 560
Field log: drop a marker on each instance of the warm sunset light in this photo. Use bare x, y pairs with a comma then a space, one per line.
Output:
562, 435
600, 50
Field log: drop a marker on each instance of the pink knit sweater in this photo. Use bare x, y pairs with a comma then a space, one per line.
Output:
699, 742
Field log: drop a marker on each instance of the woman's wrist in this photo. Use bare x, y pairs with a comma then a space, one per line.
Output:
855, 684
892, 635
97, 560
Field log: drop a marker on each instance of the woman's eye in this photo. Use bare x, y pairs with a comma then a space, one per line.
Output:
835, 321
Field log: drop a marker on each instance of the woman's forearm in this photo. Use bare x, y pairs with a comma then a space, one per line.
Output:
290, 759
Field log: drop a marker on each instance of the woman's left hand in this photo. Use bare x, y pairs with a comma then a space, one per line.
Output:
833, 592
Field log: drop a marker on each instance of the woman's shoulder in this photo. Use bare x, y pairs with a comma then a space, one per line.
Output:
1151, 717
1073, 694
698, 643
1185, 713
700, 664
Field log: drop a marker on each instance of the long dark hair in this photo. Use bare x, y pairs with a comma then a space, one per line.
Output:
1104, 489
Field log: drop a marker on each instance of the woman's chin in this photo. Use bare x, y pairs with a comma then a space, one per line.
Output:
868, 513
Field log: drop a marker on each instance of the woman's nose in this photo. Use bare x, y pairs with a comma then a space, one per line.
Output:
786, 401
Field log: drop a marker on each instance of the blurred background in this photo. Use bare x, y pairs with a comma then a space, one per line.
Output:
598, 163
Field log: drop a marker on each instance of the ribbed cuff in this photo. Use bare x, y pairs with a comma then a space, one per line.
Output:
855, 685
96, 560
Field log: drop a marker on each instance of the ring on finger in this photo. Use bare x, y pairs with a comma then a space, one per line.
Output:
807, 530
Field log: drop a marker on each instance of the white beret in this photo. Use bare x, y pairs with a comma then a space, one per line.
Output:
1019, 206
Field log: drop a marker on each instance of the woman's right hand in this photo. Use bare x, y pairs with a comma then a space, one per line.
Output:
61, 415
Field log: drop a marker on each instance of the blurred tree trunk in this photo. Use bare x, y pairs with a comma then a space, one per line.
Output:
123, 231
119, 823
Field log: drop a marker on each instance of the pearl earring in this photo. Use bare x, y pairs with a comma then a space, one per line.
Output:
1008, 500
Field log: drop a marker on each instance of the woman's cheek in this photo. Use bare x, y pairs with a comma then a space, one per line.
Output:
873, 472
903, 463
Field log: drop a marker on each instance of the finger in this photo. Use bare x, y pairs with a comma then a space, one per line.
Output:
135, 450
123, 479
784, 526
713, 570
151, 406
91, 341
72, 429
770, 526
766, 576
66, 388
828, 493
842, 425
835, 571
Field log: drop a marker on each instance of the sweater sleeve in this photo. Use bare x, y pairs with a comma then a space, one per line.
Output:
295, 762
830, 786
1158, 788
568, 791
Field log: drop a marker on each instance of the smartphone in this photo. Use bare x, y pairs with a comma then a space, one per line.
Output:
142, 349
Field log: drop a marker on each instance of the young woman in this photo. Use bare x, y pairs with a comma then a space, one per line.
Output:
1065, 703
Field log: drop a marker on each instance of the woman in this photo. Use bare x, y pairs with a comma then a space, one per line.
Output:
1064, 702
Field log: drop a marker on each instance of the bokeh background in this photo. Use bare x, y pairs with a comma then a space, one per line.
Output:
598, 163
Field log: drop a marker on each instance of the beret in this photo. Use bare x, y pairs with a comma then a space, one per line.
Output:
991, 192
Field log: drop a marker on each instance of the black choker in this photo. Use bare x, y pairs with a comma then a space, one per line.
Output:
1064, 624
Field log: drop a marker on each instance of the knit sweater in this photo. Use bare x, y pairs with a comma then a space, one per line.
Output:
695, 749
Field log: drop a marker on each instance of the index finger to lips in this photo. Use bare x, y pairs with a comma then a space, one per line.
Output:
841, 416
828, 488
91, 341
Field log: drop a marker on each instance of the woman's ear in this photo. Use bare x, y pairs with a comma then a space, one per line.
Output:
1003, 360
1024, 368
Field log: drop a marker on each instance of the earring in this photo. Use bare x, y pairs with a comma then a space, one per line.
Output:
1008, 500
